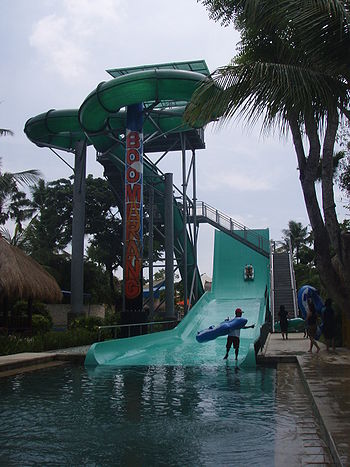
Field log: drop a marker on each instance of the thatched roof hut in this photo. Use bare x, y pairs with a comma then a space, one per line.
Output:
21, 277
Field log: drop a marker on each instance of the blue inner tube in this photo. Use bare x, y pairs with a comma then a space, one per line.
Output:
221, 330
306, 292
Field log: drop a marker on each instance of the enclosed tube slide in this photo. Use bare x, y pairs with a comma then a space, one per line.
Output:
101, 120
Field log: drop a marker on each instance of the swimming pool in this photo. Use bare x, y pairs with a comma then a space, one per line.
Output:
138, 416
158, 415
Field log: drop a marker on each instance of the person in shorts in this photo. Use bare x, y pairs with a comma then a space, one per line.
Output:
234, 335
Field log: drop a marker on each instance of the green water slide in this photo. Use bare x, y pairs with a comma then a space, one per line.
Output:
179, 346
101, 121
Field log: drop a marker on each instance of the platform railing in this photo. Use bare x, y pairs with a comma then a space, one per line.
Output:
149, 325
231, 225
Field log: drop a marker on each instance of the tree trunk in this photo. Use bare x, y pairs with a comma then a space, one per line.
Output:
111, 280
330, 269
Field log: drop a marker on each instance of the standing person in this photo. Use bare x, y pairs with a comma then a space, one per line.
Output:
329, 324
311, 319
234, 335
283, 321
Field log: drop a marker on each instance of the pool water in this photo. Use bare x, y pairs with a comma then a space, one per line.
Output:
138, 416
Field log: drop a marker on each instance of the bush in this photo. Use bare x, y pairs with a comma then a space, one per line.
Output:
90, 323
20, 308
41, 324
49, 341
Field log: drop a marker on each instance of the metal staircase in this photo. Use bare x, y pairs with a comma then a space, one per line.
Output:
283, 287
207, 214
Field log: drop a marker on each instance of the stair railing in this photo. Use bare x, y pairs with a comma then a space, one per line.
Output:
292, 279
272, 279
225, 221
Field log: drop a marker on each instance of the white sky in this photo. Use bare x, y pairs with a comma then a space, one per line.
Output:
55, 52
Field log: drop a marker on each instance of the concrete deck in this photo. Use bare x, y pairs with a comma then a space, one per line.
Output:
326, 377
33, 359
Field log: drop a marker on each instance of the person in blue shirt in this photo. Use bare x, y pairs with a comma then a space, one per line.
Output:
234, 335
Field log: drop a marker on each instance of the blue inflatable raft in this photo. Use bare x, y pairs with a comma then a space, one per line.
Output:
222, 329
306, 292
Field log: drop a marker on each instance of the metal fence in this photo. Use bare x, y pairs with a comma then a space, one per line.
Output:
150, 326
227, 223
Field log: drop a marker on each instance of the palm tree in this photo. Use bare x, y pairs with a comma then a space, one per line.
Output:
4, 132
13, 202
291, 71
298, 236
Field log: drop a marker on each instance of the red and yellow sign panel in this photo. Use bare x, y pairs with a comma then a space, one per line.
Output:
133, 220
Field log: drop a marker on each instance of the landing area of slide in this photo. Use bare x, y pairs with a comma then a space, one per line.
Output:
179, 346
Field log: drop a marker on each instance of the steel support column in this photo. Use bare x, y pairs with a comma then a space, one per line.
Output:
195, 226
78, 228
169, 246
150, 251
184, 202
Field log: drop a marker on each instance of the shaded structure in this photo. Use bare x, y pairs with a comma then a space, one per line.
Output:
21, 277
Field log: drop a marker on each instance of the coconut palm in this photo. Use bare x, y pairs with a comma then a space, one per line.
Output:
292, 73
13, 202
4, 132
298, 236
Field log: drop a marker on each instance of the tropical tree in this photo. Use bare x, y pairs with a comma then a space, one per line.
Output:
298, 236
292, 73
4, 132
13, 202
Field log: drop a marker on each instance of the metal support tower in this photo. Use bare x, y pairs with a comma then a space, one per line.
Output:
150, 250
169, 246
184, 213
78, 228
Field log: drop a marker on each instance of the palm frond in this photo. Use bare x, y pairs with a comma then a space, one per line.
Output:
271, 90
27, 177
5, 234
4, 132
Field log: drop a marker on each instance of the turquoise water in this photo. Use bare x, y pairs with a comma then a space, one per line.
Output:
139, 416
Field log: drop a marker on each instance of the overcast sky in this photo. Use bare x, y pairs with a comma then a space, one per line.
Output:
55, 52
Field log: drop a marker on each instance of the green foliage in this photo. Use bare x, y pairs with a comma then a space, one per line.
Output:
111, 317
50, 233
51, 230
307, 275
14, 204
299, 238
41, 324
20, 308
49, 341
90, 323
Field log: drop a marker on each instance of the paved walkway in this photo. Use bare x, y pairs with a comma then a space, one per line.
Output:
326, 376
31, 359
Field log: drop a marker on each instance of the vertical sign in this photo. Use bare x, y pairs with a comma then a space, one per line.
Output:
133, 210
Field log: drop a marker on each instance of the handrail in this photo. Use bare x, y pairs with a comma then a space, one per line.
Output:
272, 280
117, 326
292, 278
205, 210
